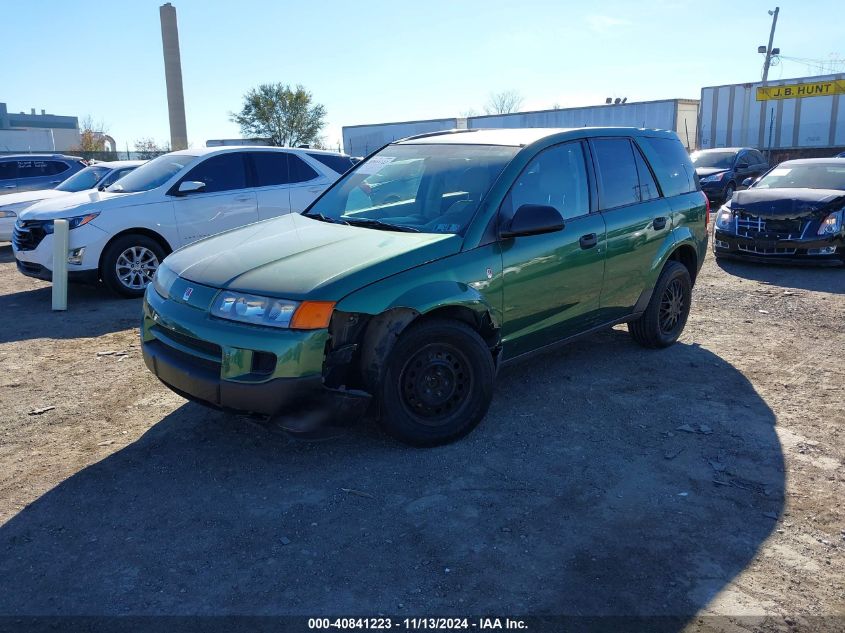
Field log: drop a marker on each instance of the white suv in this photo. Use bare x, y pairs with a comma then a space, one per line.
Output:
119, 236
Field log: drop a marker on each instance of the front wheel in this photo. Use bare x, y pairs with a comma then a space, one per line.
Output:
129, 264
666, 315
438, 383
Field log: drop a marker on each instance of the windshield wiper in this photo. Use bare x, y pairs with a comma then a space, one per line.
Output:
324, 218
378, 224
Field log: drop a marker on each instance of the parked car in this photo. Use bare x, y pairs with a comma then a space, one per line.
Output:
792, 214
24, 172
510, 242
169, 202
722, 171
96, 176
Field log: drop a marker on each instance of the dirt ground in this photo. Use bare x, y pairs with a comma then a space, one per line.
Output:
700, 481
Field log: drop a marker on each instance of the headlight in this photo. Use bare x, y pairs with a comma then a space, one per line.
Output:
7, 213
724, 218
714, 177
257, 310
73, 223
164, 280
832, 224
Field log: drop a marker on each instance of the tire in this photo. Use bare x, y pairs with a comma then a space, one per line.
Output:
666, 315
729, 192
437, 384
118, 269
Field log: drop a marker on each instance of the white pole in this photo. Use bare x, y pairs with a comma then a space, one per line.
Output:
61, 232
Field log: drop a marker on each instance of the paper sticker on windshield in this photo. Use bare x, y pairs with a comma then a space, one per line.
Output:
375, 164
781, 171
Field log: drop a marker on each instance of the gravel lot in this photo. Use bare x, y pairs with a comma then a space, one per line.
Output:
706, 479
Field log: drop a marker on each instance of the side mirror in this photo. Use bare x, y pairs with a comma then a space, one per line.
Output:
742, 165
533, 219
190, 186
747, 182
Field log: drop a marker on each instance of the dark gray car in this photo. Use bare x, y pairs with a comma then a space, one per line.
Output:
25, 172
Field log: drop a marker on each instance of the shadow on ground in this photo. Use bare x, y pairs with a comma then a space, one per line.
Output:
817, 278
606, 480
92, 311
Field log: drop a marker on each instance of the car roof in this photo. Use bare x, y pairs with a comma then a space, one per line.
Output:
222, 149
722, 149
812, 161
518, 137
38, 156
118, 164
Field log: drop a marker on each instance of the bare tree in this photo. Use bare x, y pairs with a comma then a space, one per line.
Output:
91, 135
503, 102
147, 148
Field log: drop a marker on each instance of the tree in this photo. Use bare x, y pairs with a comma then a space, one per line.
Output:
286, 117
91, 136
503, 102
147, 148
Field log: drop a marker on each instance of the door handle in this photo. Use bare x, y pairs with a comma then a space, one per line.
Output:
588, 241
243, 199
315, 190
659, 223
55, 182
9, 186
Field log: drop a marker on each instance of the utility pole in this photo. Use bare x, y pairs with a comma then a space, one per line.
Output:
768, 61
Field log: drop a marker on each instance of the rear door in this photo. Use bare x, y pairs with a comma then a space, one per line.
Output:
306, 183
224, 203
552, 282
638, 222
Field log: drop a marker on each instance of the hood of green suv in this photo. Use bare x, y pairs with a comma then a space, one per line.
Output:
295, 257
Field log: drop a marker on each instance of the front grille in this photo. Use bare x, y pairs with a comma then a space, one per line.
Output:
752, 226
751, 248
28, 235
204, 349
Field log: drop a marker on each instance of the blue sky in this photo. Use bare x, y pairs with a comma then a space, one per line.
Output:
374, 61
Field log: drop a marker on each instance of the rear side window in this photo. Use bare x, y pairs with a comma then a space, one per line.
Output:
8, 169
334, 162
648, 188
271, 168
757, 157
40, 168
223, 172
619, 182
299, 171
672, 165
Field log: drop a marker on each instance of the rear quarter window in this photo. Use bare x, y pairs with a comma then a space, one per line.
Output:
671, 164
8, 169
336, 163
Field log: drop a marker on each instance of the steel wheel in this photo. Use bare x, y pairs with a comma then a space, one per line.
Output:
135, 267
672, 305
435, 383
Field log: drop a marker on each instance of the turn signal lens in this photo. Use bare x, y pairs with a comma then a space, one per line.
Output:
312, 315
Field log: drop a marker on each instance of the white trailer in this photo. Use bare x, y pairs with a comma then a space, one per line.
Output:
679, 115
801, 116
360, 140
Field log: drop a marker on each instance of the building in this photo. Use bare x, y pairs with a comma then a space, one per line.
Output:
33, 132
680, 115
791, 118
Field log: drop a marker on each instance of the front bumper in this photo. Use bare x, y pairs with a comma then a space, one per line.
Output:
797, 251
225, 365
38, 271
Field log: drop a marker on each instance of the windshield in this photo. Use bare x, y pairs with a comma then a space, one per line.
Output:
85, 179
434, 188
152, 174
718, 160
812, 176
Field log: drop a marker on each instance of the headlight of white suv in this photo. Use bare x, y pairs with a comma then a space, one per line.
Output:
73, 223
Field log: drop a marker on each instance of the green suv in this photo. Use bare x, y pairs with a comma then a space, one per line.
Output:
497, 244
